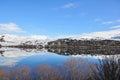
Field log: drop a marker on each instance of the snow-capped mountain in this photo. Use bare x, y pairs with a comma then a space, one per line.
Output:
102, 35
111, 34
117, 37
9, 39
36, 39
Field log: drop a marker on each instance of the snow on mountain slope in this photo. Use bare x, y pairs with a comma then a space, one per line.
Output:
15, 40
96, 35
116, 37
101, 35
9, 37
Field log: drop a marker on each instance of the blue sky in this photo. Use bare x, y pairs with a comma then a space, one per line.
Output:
58, 17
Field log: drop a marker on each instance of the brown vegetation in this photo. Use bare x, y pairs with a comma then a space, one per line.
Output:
72, 69
107, 70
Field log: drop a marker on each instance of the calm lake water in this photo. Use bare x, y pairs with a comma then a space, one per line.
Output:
13, 57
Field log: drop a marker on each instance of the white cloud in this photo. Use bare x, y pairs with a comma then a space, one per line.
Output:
108, 22
118, 20
97, 19
112, 22
115, 27
10, 27
83, 14
69, 5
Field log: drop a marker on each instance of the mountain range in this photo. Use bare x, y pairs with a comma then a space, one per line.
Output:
15, 39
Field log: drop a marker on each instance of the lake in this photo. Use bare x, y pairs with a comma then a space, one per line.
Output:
13, 58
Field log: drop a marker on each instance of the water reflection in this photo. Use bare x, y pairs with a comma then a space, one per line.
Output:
11, 56
75, 51
1, 53
34, 57
96, 53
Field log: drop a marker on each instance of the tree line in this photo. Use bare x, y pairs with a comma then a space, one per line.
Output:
83, 44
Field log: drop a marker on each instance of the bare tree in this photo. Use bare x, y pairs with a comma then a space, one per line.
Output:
45, 72
77, 69
107, 69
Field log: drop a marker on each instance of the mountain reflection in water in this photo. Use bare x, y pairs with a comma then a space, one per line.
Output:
33, 57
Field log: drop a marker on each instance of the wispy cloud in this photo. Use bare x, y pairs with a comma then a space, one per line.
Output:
10, 27
97, 19
83, 14
68, 5
118, 20
108, 22
111, 22
115, 27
